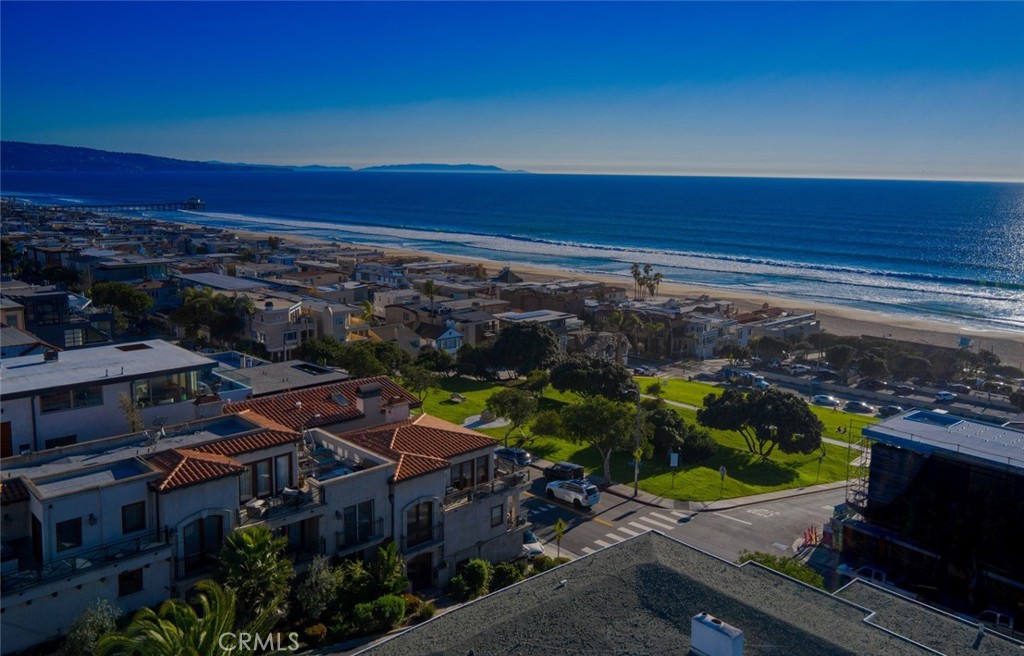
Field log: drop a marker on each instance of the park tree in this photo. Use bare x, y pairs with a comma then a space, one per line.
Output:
548, 423
734, 352
390, 355
840, 356
590, 376
765, 419
321, 350
872, 366
769, 347
419, 380
253, 564
475, 361
537, 381
360, 360
604, 424
669, 432
437, 360
523, 347
516, 405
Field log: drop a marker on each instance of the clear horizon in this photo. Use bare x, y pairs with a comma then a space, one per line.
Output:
914, 91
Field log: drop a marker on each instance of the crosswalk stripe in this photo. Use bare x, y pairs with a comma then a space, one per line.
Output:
667, 527
587, 550
615, 537
548, 506
602, 543
628, 532
662, 517
678, 514
643, 529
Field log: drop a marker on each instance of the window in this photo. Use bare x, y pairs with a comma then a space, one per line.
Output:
282, 472
497, 515
245, 485
133, 517
358, 524
161, 390
482, 465
462, 475
129, 582
73, 337
420, 520
69, 534
54, 402
261, 476
87, 397
203, 539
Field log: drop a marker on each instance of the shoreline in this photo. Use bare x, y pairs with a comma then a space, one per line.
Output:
835, 319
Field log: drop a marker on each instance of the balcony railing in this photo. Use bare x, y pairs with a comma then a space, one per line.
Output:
349, 540
423, 540
281, 505
496, 486
85, 560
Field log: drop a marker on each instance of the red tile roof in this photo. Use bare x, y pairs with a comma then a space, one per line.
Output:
237, 445
420, 445
12, 491
316, 405
184, 467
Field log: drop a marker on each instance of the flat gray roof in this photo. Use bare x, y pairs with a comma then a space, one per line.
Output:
925, 431
220, 281
31, 374
283, 376
638, 597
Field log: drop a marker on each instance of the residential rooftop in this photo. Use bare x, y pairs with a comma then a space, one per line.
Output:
30, 374
926, 431
222, 282
283, 376
638, 597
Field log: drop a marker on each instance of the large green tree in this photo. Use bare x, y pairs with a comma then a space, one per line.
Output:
523, 347
590, 376
604, 424
766, 420
419, 380
516, 405
770, 347
252, 563
437, 360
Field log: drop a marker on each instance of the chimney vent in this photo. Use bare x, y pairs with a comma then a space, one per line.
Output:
710, 636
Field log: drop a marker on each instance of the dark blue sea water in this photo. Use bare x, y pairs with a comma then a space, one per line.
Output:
951, 251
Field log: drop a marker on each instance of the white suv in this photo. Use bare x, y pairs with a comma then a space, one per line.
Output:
579, 493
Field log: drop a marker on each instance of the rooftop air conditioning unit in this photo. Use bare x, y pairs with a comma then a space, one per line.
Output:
710, 636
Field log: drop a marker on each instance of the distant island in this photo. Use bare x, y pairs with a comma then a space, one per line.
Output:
23, 156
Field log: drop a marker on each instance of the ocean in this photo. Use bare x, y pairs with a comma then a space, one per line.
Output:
942, 251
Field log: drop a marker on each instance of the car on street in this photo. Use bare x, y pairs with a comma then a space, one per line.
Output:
532, 547
799, 369
904, 389
825, 399
959, 388
870, 384
579, 493
564, 471
889, 411
859, 406
515, 454
945, 397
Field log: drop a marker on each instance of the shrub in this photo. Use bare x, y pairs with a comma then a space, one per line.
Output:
477, 574
378, 615
544, 563
97, 620
459, 589
412, 604
505, 574
318, 590
315, 634
427, 611
784, 565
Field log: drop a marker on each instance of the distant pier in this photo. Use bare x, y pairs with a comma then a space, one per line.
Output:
192, 204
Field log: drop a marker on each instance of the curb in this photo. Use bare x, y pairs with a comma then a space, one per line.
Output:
740, 502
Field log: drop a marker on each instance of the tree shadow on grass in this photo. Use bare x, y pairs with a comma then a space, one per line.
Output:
750, 469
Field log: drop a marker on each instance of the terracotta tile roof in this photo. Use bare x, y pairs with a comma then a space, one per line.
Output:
184, 467
421, 445
12, 491
246, 443
318, 407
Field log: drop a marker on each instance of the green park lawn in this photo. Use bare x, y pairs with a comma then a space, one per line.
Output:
746, 473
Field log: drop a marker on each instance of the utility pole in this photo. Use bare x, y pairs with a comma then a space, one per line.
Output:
636, 447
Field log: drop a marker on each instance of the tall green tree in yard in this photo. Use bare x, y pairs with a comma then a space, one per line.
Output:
367, 314
559, 529
419, 380
537, 381
523, 347
252, 563
606, 425
178, 629
127, 301
765, 419
516, 405
590, 376
437, 360
385, 572
197, 306
771, 347
430, 290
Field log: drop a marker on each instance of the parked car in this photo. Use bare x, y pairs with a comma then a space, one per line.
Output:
564, 471
859, 406
871, 384
532, 547
579, 493
799, 369
515, 454
959, 388
904, 390
946, 397
825, 399
889, 411
826, 374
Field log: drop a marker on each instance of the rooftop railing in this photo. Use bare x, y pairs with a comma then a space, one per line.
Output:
495, 486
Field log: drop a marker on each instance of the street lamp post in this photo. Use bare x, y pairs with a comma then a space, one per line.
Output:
636, 448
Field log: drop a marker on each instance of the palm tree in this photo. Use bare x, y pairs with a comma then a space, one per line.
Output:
367, 315
385, 572
198, 304
430, 289
176, 629
645, 281
634, 269
633, 323
252, 563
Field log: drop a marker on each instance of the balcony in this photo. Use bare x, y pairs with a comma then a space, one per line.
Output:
498, 485
349, 541
287, 503
418, 541
83, 561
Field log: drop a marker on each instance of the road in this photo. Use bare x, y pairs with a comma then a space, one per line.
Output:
775, 526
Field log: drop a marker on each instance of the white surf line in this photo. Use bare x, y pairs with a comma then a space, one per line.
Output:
667, 527
736, 520
587, 550
601, 543
631, 533
615, 537
663, 518
643, 529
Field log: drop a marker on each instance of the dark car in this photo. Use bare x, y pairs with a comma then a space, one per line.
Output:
889, 411
517, 455
859, 406
904, 390
959, 388
564, 471
870, 384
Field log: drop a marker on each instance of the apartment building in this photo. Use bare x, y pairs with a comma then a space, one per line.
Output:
280, 325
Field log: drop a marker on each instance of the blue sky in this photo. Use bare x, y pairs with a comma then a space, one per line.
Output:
911, 90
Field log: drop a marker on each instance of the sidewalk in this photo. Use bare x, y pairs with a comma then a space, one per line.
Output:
626, 492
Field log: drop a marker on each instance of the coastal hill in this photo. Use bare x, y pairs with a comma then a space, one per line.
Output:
23, 156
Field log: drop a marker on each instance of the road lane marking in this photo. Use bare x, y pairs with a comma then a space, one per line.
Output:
548, 506
601, 543
829, 507
627, 531
587, 550
780, 546
736, 520
664, 518
615, 537
605, 522
644, 529
679, 514
667, 527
